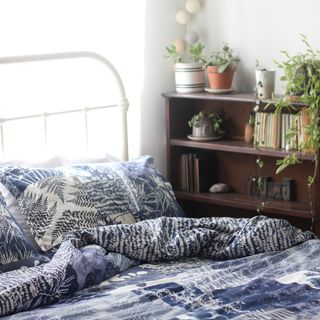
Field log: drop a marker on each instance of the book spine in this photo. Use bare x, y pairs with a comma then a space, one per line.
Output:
197, 177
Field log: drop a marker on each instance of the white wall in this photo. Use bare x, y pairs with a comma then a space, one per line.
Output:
255, 29
161, 31
114, 29
131, 35
261, 29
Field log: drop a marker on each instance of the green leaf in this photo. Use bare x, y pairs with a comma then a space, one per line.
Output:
223, 67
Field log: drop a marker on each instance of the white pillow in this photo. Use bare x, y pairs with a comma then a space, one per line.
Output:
60, 160
89, 158
40, 163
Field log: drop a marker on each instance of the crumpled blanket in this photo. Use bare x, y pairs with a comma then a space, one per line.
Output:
88, 256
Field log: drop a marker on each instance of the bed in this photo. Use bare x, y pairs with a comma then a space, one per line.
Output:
109, 241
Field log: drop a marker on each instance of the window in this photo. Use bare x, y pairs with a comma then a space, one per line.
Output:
114, 29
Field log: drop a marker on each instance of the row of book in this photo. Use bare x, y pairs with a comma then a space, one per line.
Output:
276, 131
195, 173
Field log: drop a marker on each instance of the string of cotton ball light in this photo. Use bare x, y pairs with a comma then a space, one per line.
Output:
183, 17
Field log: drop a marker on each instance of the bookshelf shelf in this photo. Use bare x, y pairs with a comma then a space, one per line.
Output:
237, 146
234, 162
236, 200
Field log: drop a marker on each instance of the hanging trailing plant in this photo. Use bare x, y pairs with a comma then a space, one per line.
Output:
302, 77
258, 179
302, 74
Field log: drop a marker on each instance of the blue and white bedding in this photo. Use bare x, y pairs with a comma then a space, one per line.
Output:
281, 285
55, 201
120, 225
256, 285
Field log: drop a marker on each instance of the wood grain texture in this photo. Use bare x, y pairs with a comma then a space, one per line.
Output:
234, 161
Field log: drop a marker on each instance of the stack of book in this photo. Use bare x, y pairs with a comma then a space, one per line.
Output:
276, 131
195, 172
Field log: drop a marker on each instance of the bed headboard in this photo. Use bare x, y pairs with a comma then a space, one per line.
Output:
122, 105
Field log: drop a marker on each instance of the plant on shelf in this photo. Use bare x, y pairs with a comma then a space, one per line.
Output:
221, 66
265, 81
206, 124
186, 53
302, 76
259, 178
301, 73
189, 76
195, 54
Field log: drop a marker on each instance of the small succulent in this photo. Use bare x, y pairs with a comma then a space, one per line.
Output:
215, 119
223, 59
195, 54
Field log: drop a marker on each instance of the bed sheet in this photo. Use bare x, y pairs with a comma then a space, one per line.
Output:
280, 285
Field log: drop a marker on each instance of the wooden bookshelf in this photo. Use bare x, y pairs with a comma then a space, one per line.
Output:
236, 200
238, 146
234, 161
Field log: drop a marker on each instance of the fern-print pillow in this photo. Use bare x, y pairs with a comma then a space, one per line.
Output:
56, 201
55, 206
15, 249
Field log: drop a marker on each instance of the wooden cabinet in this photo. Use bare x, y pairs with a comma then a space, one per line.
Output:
233, 161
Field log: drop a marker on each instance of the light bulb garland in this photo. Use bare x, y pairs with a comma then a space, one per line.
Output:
183, 17
193, 6
187, 53
191, 37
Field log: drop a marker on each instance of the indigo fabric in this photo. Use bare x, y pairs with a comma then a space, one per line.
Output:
15, 250
57, 201
115, 248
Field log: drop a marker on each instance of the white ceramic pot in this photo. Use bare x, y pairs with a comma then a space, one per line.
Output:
265, 82
204, 129
189, 77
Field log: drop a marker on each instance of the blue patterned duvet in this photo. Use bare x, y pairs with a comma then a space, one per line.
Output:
272, 285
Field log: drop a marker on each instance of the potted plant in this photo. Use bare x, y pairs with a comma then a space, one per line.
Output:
221, 67
265, 81
301, 73
302, 76
189, 76
206, 125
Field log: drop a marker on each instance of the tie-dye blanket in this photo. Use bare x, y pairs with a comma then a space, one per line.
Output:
87, 257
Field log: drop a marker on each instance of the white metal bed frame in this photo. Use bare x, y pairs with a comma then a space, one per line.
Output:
122, 105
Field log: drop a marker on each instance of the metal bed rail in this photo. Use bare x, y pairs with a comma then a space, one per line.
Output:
122, 105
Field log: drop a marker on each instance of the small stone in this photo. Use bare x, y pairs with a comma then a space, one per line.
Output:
219, 188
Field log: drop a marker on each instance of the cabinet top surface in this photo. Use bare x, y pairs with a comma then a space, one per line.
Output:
237, 97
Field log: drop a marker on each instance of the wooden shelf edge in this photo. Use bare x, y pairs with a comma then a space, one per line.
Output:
236, 146
236, 97
235, 200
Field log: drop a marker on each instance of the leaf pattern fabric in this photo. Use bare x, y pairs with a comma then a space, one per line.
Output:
57, 201
88, 256
15, 249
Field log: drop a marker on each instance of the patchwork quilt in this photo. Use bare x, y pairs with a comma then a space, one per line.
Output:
266, 269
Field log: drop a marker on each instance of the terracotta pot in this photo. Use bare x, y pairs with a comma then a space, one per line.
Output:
305, 117
220, 80
293, 98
